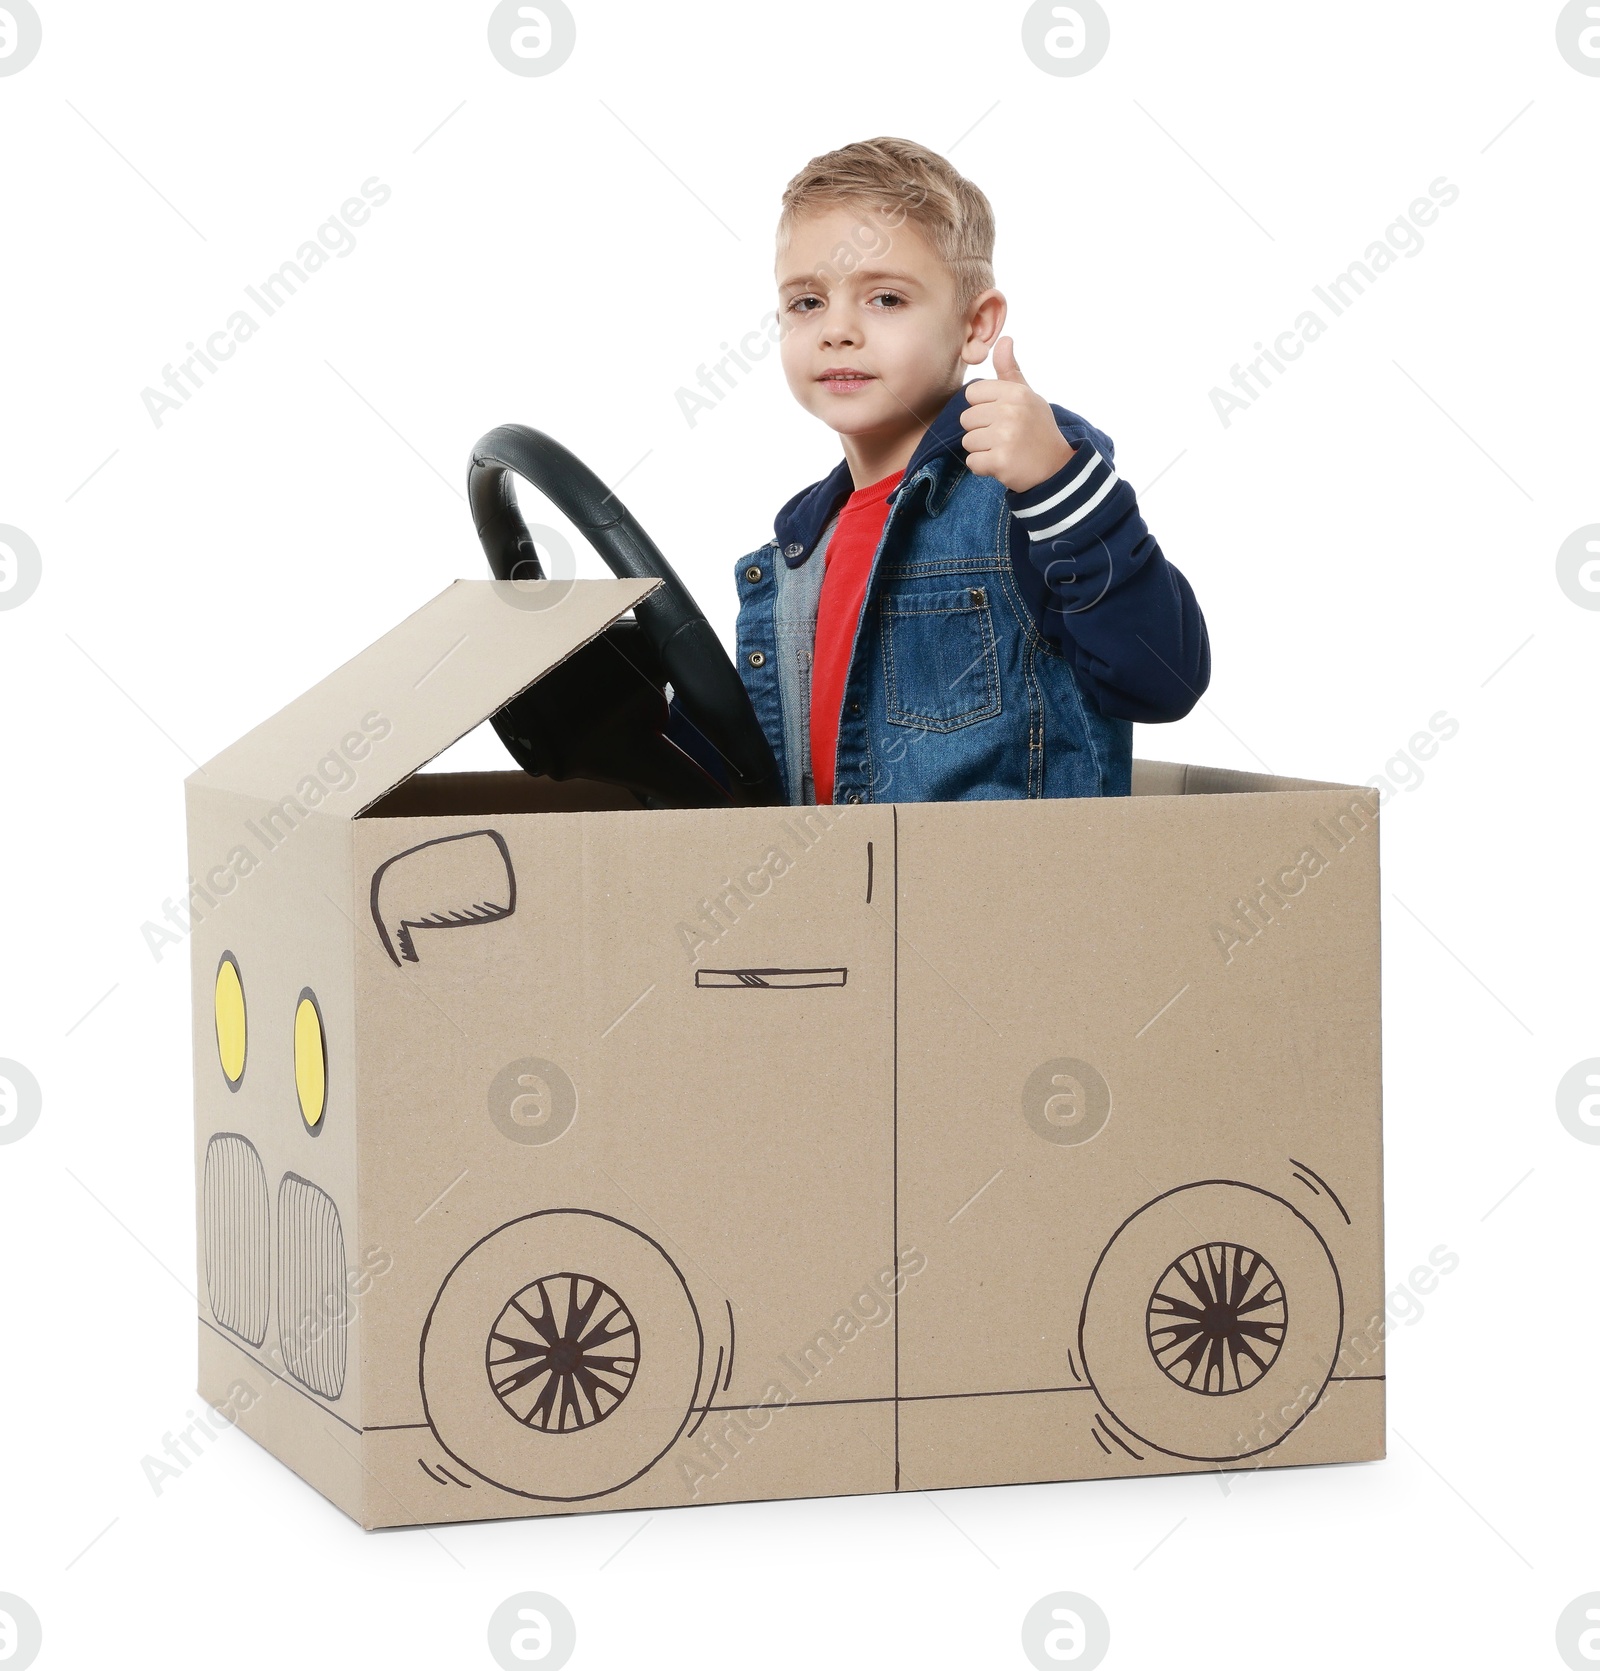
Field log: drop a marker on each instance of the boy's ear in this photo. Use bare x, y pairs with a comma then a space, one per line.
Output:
986, 317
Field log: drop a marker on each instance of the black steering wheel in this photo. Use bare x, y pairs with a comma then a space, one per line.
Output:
603, 712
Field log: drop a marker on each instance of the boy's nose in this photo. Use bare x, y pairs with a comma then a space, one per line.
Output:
842, 338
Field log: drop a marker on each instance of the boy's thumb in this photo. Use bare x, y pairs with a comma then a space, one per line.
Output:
1005, 363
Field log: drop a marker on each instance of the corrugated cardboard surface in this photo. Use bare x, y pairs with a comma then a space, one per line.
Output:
1170, 777
678, 1157
278, 906
895, 974
1246, 1082
429, 680
725, 1122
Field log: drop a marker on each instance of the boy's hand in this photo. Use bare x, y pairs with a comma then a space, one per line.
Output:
1011, 431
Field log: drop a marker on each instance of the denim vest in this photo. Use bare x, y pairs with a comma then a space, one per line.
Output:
951, 692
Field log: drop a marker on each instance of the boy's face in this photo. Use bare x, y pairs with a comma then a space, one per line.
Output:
874, 343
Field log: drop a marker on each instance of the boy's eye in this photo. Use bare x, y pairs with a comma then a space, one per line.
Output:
797, 305
891, 299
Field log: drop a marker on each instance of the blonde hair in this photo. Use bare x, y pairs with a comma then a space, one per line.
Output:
906, 181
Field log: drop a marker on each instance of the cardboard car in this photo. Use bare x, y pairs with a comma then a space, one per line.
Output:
554, 1152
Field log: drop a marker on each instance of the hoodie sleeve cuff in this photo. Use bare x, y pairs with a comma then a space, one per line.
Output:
1063, 502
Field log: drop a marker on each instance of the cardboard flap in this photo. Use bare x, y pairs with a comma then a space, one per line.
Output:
421, 687
1169, 777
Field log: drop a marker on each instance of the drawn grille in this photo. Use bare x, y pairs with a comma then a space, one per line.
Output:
313, 1299
237, 1229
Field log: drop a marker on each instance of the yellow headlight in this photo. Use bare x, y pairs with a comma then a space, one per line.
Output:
310, 1060
229, 1008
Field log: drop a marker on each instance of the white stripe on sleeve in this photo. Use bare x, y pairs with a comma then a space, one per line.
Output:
1082, 511
1078, 479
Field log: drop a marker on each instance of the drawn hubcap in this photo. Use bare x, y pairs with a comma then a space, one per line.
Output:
1217, 1318
563, 1353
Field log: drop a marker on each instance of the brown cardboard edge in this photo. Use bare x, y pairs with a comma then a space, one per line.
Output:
372, 1518
220, 1360
1175, 1472
1191, 779
200, 777
656, 583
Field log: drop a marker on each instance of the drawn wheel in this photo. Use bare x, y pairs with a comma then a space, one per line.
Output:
562, 1356
563, 1353
1212, 1321
1216, 1320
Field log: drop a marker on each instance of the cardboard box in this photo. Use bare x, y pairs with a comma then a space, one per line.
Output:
554, 1154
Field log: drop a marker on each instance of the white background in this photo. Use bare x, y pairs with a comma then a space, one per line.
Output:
1370, 542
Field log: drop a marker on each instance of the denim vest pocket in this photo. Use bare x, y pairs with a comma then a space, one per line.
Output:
939, 661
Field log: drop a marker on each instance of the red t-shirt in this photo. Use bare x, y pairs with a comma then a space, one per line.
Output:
848, 562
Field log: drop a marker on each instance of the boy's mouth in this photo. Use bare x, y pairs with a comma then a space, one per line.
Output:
845, 379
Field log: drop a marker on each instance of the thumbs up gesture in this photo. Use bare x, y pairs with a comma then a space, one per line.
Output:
1011, 431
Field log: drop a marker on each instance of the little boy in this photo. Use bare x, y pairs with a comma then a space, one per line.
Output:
970, 605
